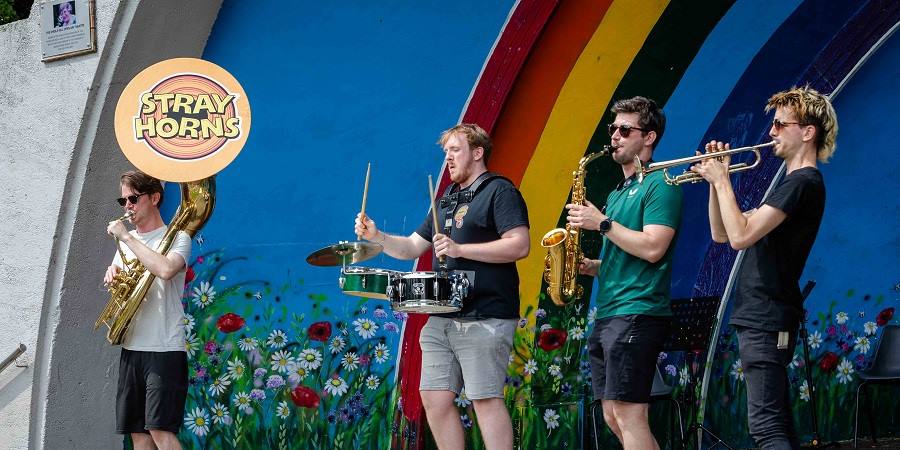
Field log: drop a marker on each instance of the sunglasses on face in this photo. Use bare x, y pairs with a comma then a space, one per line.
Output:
624, 130
133, 199
779, 125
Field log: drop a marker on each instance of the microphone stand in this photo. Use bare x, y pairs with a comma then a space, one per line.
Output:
804, 336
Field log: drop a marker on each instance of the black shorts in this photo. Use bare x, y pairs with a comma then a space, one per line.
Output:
626, 348
152, 391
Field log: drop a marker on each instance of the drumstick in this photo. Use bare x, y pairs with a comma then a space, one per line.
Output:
362, 211
433, 211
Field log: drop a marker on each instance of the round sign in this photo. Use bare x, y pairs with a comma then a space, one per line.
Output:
182, 119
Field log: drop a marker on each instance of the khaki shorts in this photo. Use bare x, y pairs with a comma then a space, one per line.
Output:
459, 353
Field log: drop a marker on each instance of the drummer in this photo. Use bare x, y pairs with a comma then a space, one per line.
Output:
486, 232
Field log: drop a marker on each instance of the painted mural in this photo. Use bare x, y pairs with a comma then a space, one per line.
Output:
281, 359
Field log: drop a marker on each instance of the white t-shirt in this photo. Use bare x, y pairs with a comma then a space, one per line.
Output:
158, 325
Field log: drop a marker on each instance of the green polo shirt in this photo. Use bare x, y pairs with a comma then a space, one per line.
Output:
628, 284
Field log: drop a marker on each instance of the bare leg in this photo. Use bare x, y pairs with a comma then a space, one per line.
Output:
635, 425
165, 440
493, 419
443, 418
142, 441
610, 419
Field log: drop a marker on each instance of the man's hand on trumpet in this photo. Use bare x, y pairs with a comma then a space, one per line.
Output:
714, 170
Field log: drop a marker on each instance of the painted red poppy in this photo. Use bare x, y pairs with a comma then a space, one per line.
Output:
189, 275
828, 362
319, 331
230, 322
305, 397
552, 339
885, 316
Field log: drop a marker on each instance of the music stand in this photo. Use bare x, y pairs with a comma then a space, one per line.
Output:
692, 324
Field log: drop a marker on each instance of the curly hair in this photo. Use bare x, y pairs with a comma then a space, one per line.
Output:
811, 108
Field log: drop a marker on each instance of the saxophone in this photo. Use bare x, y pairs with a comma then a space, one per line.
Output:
564, 245
129, 287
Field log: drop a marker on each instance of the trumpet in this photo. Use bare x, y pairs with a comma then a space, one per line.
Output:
691, 177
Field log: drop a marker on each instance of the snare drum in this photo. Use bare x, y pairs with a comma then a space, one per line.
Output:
429, 292
366, 282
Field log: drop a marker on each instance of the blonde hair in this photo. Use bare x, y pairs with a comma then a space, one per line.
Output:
811, 108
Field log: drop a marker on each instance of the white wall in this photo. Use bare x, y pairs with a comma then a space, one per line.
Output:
59, 167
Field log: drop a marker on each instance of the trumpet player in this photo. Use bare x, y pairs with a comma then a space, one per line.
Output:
638, 225
777, 236
153, 374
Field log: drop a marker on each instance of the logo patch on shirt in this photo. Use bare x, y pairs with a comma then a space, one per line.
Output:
632, 192
460, 213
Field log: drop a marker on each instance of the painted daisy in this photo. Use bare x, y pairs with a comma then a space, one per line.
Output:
197, 421
204, 295
350, 361
530, 367
555, 370
218, 386
737, 370
576, 333
552, 418
283, 411
365, 327
862, 345
220, 414
381, 353
461, 400
297, 372
804, 391
277, 339
310, 359
281, 360
841, 318
188, 321
814, 340
242, 401
190, 344
845, 371
870, 327
336, 345
248, 343
236, 369
336, 386
372, 382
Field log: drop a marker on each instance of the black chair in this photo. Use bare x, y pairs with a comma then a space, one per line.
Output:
659, 392
885, 369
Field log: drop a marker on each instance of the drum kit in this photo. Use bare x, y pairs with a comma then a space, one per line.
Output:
442, 291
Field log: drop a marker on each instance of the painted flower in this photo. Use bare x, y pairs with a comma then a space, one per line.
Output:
885, 316
336, 386
661, 357
220, 414
236, 369
392, 327
841, 318
576, 333
737, 370
305, 397
277, 339
365, 327
551, 418
241, 401
281, 360
310, 359
828, 362
274, 382
466, 421
380, 313
219, 385
258, 395
804, 391
372, 382
382, 353
845, 371
592, 315
862, 345
552, 339
555, 371
814, 340
189, 275
531, 367
190, 344
671, 370
870, 327
684, 376
188, 322
259, 372
283, 411
540, 313
248, 343
337, 345
319, 331
350, 361
296, 372
522, 322
230, 322
211, 347
796, 362
461, 400
197, 421
204, 295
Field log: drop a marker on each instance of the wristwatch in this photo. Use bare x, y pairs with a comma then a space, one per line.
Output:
605, 225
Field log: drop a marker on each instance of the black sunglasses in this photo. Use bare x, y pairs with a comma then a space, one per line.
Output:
131, 198
624, 130
779, 125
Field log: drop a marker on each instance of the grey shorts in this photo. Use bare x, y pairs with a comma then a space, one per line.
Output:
459, 353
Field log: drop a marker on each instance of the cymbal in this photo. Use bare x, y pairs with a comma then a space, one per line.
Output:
344, 253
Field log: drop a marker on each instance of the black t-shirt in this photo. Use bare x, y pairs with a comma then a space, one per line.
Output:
496, 208
767, 296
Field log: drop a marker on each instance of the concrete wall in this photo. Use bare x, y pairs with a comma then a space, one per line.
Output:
59, 165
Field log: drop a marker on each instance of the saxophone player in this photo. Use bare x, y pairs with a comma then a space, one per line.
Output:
153, 374
639, 226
